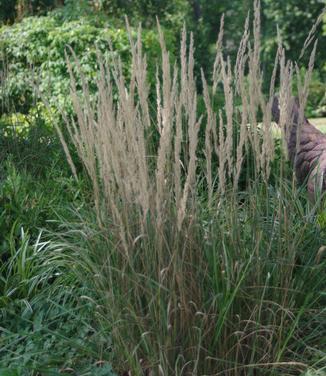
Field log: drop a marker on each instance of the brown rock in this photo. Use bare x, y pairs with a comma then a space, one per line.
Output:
309, 159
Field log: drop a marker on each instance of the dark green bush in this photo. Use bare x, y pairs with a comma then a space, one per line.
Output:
34, 51
316, 104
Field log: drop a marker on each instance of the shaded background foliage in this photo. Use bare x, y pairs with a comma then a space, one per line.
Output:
294, 18
48, 26
39, 44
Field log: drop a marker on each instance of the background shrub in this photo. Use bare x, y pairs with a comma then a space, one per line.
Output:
34, 51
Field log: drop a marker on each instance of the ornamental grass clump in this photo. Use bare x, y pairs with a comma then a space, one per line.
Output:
200, 264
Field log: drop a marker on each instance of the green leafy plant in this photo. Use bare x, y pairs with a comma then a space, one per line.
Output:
46, 317
34, 53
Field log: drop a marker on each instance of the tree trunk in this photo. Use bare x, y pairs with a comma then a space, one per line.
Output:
196, 9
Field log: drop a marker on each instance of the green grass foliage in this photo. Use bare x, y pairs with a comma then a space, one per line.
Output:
47, 315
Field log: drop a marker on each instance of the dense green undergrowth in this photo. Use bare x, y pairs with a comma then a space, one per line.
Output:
47, 319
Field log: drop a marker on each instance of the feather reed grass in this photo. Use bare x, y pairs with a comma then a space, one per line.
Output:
193, 283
